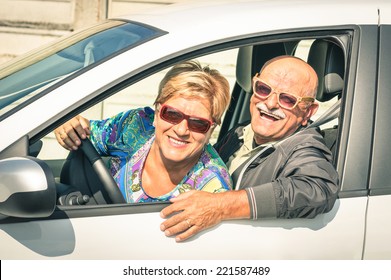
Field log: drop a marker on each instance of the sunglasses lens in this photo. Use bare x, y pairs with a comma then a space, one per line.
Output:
287, 100
198, 125
171, 115
262, 90
174, 116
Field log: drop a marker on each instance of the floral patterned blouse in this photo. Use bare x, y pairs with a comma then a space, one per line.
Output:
127, 139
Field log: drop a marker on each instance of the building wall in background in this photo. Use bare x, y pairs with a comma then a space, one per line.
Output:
28, 24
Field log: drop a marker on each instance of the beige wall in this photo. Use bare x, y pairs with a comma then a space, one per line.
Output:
28, 24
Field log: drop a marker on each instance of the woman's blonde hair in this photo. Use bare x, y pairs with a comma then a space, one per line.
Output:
190, 80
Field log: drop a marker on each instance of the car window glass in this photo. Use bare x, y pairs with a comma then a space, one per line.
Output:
24, 78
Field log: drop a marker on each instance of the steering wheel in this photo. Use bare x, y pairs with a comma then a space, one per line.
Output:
101, 171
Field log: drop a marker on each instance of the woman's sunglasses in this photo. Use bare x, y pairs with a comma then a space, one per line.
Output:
285, 100
174, 116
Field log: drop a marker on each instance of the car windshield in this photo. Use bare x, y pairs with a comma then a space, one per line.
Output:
26, 76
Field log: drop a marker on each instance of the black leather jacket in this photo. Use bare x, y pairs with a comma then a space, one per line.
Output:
294, 178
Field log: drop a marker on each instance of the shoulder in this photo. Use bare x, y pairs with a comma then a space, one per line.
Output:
144, 112
306, 139
138, 117
210, 157
211, 170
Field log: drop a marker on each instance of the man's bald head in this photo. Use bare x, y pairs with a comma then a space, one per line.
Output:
289, 66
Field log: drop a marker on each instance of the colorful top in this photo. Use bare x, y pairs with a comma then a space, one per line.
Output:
127, 139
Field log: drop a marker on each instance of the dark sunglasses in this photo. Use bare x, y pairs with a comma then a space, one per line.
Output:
174, 116
285, 100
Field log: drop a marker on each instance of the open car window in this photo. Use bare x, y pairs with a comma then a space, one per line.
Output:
232, 64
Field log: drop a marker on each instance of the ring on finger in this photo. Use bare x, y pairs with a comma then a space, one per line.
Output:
188, 223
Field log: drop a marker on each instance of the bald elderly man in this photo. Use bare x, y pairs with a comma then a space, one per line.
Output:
282, 169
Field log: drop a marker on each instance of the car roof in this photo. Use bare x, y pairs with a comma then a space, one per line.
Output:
270, 14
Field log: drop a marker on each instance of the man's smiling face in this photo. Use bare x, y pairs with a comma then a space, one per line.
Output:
271, 122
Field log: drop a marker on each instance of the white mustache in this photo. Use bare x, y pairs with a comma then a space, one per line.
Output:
276, 112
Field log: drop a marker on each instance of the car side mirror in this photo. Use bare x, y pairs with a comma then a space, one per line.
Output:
27, 188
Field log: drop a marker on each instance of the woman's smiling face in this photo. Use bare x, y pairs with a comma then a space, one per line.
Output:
176, 143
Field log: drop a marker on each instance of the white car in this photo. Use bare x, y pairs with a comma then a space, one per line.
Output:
104, 67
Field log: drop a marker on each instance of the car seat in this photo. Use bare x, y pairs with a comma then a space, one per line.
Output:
250, 60
327, 59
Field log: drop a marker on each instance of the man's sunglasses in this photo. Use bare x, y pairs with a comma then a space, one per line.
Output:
285, 100
174, 116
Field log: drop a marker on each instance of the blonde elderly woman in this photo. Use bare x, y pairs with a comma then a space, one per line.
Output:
158, 154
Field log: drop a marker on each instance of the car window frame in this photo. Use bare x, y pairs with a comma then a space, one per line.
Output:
380, 176
126, 209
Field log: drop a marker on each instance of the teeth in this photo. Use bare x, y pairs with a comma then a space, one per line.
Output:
177, 141
270, 115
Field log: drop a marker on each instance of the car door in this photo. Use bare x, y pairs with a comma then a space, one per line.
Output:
132, 231
379, 202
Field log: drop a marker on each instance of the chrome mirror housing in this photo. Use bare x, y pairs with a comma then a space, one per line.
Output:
27, 188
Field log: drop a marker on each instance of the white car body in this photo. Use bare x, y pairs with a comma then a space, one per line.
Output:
354, 229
